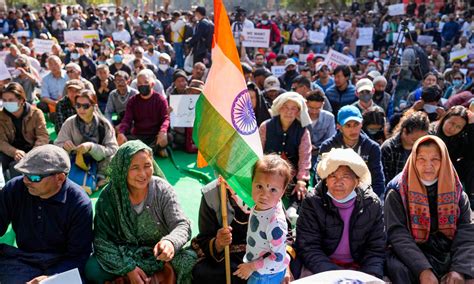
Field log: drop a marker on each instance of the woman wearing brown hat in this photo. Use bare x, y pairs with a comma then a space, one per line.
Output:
341, 225
22, 127
429, 228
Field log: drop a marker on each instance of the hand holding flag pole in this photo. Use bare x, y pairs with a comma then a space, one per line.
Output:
225, 225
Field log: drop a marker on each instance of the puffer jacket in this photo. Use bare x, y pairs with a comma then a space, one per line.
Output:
33, 129
319, 230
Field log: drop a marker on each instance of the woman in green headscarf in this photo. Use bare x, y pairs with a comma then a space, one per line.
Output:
139, 226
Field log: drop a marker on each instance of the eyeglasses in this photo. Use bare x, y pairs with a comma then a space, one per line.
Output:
83, 106
36, 178
69, 71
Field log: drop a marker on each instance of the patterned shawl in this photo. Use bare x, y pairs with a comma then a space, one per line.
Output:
415, 197
120, 243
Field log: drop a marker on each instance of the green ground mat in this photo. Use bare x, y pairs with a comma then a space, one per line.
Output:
181, 172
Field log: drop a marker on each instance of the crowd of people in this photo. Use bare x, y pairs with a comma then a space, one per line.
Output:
368, 166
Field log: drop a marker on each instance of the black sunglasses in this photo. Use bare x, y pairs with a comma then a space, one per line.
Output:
84, 106
36, 178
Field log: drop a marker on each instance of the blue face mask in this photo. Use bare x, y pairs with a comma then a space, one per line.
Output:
11, 107
75, 56
118, 58
457, 83
348, 198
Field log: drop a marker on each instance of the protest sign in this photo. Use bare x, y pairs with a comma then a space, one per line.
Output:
289, 47
4, 73
365, 36
278, 70
334, 58
316, 37
396, 9
42, 45
460, 54
71, 277
400, 36
343, 25
256, 38
22, 34
183, 110
81, 36
425, 40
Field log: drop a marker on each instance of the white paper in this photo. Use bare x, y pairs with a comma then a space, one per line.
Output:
316, 37
343, 25
256, 38
401, 39
4, 73
69, 277
81, 36
278, 70
183, 110
22, 34
425, 39
365, 36
334, 58
339, 276
42, 45
396, 9
459, 54
289, 47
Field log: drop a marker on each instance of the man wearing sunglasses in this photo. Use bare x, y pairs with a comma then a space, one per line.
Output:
51, 216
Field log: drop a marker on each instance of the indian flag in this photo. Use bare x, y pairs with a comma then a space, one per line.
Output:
225, 129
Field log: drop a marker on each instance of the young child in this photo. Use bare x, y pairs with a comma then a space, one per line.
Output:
265, 260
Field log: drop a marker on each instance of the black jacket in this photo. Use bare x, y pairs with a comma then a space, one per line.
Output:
320, 227
201, 42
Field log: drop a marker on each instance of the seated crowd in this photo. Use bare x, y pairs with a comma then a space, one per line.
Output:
364, 168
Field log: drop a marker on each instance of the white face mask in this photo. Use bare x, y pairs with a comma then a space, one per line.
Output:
11, 107
348, 198
428, 183
163, 67
430, 108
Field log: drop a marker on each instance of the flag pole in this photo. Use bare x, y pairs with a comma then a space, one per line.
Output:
225, 225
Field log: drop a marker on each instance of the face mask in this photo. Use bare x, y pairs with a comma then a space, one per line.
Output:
264, 22
118, 58
371, 68
301, 26
348, 198
144, 90
430, 108
163, 67
365, 97
457, 83
370, 54
75, 56
428, 183
11, 107
101, 62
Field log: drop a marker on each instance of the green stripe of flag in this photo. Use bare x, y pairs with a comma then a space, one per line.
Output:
224, 149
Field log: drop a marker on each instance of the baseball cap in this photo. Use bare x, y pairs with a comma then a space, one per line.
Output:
364, 85
290, 62
348, 113
44, 160
271, 84
75, 83
165, 56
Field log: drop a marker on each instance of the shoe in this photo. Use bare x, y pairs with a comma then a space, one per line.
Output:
162, 153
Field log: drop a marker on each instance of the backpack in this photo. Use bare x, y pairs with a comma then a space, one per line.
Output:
422, 63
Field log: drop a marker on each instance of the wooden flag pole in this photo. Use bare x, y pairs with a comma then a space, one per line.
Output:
225, 225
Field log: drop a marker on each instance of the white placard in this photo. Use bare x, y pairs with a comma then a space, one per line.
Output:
278, 70
289, 47
183, 110
401, 39
81, 36
339, 276
365, 36
42, 45
334, 59
256, 38
71, 277
303, 58
396, 9
343, 25
316, 37
460, 54
4, 73
425, 40
22, 34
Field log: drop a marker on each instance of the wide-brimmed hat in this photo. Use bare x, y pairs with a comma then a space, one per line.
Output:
337, 157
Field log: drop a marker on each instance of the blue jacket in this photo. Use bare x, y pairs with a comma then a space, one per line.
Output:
369, 150
339, 98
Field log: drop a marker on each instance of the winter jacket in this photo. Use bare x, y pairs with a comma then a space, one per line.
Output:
340, 98
320, 227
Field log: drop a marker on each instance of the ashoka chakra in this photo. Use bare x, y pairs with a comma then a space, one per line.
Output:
243, 117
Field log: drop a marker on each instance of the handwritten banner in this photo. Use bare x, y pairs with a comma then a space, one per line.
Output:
365, 36
316, 37
183, 110
396, 9
256, 38
278, 70
343, 25
42, 45
425, 40
334, 59
287, 48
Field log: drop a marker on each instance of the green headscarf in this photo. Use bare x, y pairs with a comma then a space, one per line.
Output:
117, 242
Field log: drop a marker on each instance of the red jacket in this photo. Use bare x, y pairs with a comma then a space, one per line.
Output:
275, 36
